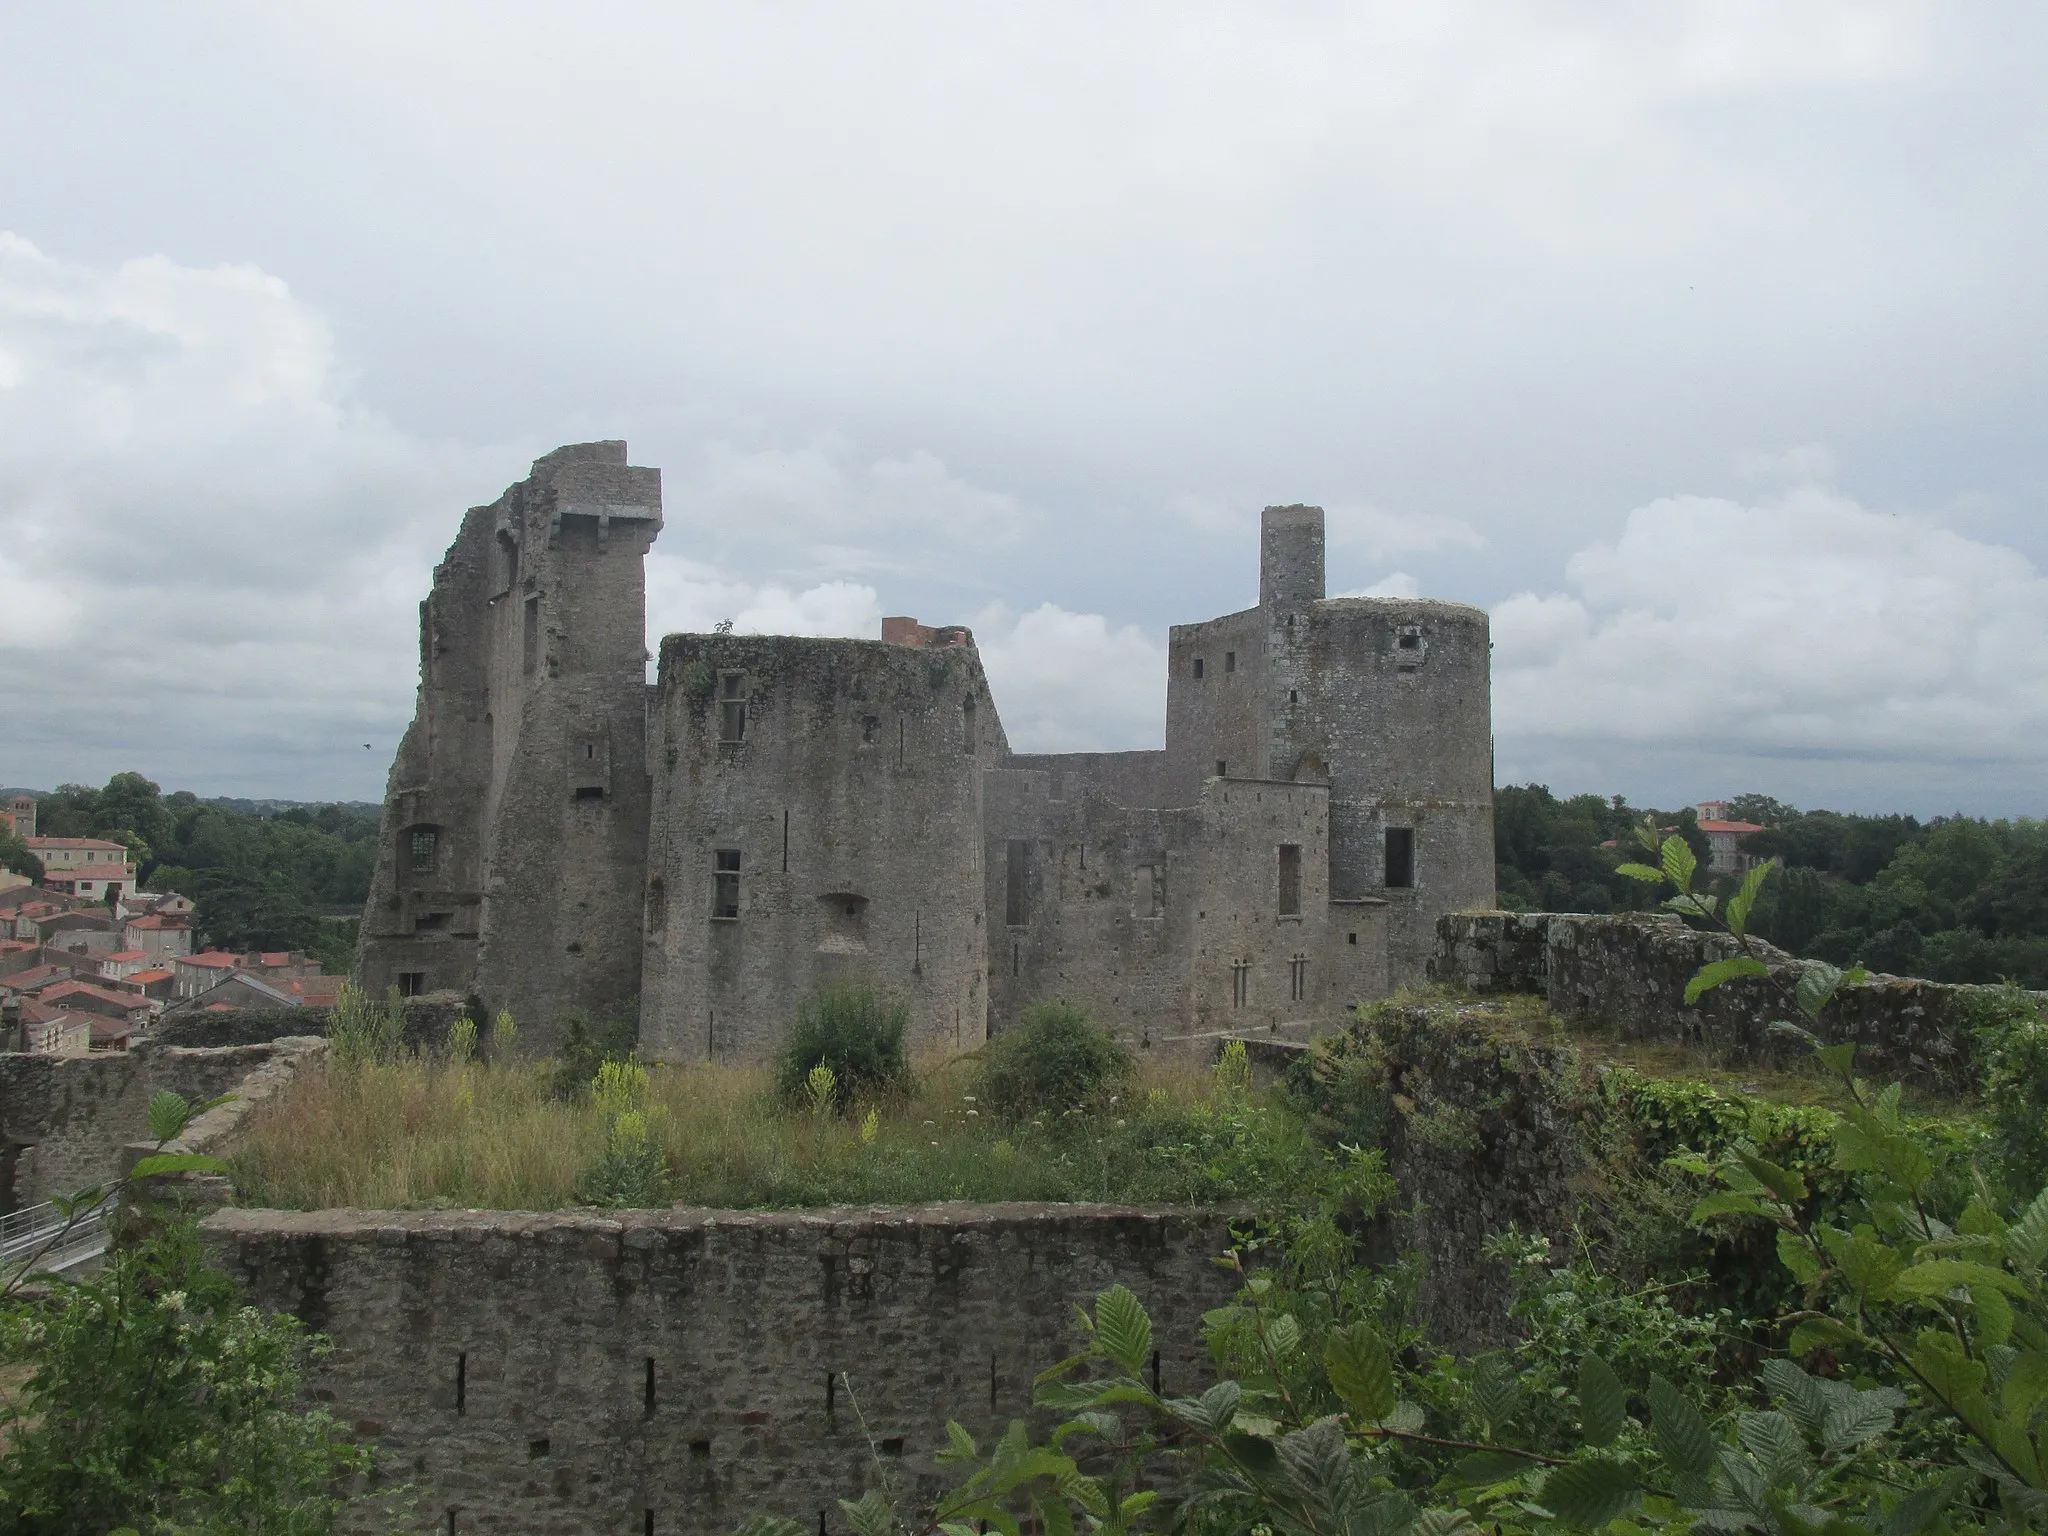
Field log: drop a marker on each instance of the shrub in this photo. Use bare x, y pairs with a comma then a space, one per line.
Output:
362, 1030
2012, 1040
157, 1401
1056, 1058
587, 1044
855, 1031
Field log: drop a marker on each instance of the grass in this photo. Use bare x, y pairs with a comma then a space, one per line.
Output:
423, 1132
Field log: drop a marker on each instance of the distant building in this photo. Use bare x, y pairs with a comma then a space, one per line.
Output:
199, 973
1724, 839
90, 867
122, 964
18, 815
50, 1031
158, 934
83, 997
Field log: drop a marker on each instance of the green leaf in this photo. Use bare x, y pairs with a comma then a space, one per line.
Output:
1710, 976
1691, 904
1361, 1371
1738, 908
1496, 1390
1136, 1504
1681, 1432
2026, 1385
1994, 1316
1603, 1405
1641, 872
1590, 1492
1679, 861
1782, 1182
1054, 1517
1856, 1417
871, 1514
1283, 1333
1484, 1469
2026, 1240
959, 1443
1775, 1444
168, 1115
158, 1164
1952, 1375
1920, 1506
1122, 1330
1838, 1059
1870, 1268
1728, 1202
1937, 1277
1821, 1333
1797, 1255
1817, 984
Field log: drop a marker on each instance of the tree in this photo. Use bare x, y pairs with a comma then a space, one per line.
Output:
14, 855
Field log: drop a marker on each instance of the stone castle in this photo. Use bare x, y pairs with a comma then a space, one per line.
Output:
776, 813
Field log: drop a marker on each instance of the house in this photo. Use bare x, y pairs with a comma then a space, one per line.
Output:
156, 903
84, 997
202, 972
79, 933
19, 955
112, 1034
280, 965
162, 935
48, 1031
10, 881
20, 920
241, 989
321, 991
1724, 839
156, 984
31, 981
89, 867
122, 964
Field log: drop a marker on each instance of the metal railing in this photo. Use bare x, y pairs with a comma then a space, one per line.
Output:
37, 1235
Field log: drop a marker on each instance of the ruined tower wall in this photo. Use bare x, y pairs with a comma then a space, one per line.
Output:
1215, 702
1125, 778
1395, 699
1089, 902
526, 758
844, 777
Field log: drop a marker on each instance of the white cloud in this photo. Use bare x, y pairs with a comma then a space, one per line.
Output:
1807, 464
1380, 535
1069, 682
823, 509
1809, 628
212, 560
1398, 584
685, 597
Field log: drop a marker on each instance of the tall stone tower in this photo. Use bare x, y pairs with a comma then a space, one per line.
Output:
515, 822
817, 819
1387, 700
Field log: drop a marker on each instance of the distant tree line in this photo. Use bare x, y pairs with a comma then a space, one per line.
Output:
1952, 899
261, 879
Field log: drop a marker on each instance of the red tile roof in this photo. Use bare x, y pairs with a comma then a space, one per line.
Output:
157, 922
64, 989
37, 975
34, 843
128, 954
90, 872
1729, 826
155, 974
213, 960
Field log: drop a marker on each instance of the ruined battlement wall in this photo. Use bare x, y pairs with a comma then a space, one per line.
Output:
570, 1373
1629, 971
64, 1120
515, 821
1136, 779
841, 782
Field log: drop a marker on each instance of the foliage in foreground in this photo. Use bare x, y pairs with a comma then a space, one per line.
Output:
156, 1401
1926, 1406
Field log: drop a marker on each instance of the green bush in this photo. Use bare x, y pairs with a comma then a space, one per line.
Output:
1055, 1059
2012, 1040
587, 1044
858, 1033
156, 1401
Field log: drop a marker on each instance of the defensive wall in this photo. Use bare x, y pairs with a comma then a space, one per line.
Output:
679, 1370
66, 1122
1629, 972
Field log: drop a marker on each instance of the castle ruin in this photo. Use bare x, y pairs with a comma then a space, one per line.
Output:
777, 812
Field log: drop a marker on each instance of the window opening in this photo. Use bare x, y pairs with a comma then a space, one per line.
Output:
1148, 890
725, 883
1351, 938
1017, 883
589, 792
967, 725
412, 983
870, 730
1198, 666
1240, 983
1222, 769
1400, 857
1297, 978
785, 841
649, 1395
1411, 642
899, 741
529, 648
1290, 879
425, 844
1230, 661
1293, 696
732, 707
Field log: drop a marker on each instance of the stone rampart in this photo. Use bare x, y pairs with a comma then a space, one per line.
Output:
1629, 972
427, 1022
66, 1121
574, 1372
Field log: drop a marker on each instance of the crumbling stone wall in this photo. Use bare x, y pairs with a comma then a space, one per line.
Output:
1629, 972
66, 1120
427, 1022
573, 1372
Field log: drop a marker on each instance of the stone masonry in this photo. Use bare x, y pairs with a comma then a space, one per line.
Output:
678, 1371
775, 813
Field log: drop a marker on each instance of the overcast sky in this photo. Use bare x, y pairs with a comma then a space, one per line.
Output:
1705, 345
